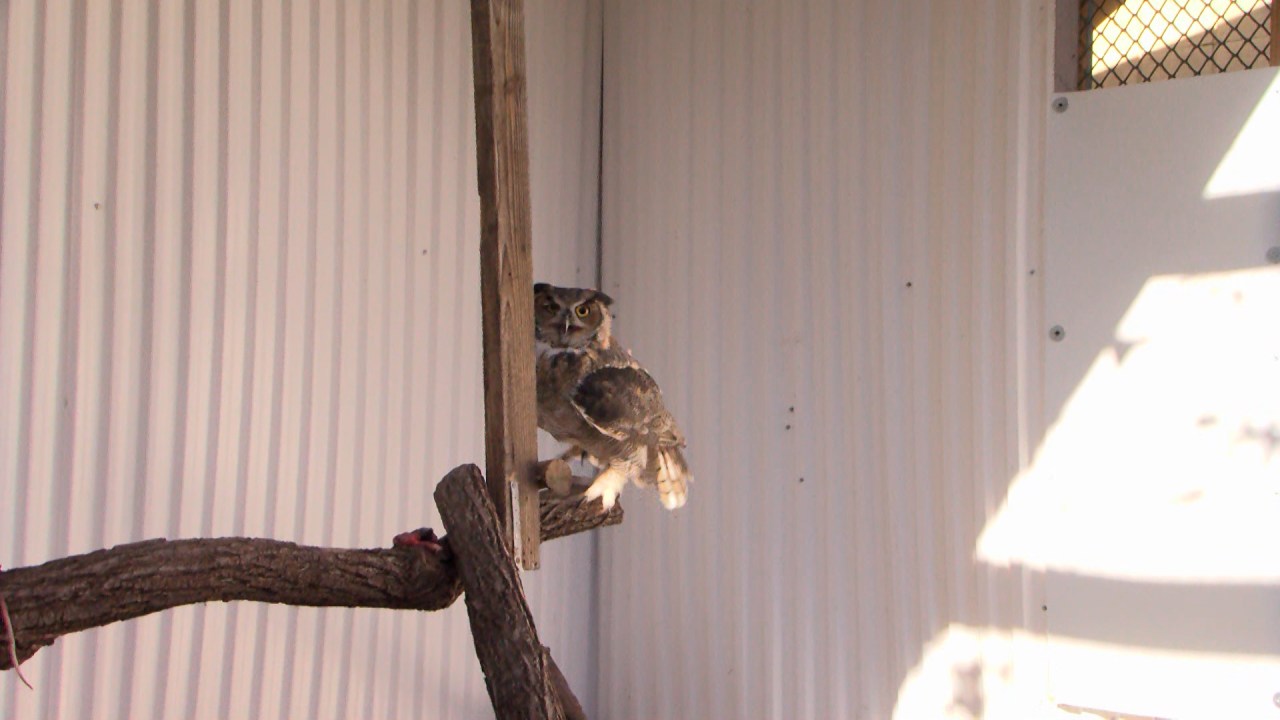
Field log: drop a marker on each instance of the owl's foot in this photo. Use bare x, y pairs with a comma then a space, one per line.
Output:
607, 486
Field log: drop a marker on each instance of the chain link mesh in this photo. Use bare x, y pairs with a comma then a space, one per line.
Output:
1131, 41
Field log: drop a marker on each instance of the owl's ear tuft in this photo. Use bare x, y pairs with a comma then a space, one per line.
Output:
540, 287
603, 298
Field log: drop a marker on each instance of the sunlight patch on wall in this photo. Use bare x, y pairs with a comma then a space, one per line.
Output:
1198, 685
1252, 164
1165, 463
969, 672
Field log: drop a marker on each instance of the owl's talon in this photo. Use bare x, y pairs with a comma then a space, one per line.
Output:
607, 495
607, 486
573, 453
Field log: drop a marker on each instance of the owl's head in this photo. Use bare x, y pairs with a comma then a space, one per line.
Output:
571, 317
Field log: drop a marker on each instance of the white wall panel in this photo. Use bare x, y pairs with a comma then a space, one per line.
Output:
239, 295
1158, 485
820, 225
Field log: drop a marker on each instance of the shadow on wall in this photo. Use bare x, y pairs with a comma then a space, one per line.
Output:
1149, 510
1147, 516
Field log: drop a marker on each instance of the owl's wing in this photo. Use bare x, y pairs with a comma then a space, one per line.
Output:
625, 403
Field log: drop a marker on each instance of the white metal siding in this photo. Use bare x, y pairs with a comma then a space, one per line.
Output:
1158, 487
238, 296
820, 224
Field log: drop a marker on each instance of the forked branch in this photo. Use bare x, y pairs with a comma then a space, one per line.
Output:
80, 592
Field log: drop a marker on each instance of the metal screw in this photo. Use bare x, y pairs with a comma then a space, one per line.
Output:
1060, 104
1273, 255
1056, 333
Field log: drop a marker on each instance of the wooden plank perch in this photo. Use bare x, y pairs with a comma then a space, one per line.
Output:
80, 592
506, 267
556, 476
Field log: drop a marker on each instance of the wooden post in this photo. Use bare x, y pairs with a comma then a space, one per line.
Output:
1066, 46
506, 269
1275, 33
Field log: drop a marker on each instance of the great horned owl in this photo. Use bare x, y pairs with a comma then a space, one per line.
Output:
593, 395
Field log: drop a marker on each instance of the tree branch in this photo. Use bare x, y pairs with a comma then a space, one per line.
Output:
79, 592
568, 701
515, 664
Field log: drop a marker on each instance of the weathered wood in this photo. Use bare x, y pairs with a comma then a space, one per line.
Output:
79, 592
506, 266
555, 475
568, 701
515, 664
127, 581
1066, 46
565, 515
1275, 33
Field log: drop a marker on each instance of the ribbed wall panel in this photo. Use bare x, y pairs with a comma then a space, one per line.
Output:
820, 224
239, 295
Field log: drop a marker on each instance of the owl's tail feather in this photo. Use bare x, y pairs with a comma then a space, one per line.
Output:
673, 477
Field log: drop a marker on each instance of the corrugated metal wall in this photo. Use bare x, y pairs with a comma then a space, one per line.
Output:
821, 229
238, 296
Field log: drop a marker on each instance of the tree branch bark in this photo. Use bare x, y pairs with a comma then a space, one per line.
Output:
568, 701
516, 666
79, 592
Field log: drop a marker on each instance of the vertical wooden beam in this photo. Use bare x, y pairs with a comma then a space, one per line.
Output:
1066, 46
506, 268
1275, 33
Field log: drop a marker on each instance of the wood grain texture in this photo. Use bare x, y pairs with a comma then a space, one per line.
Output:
506, 265
568, 701
555, 475
516, 668
1275, 33
127, 581
1066, 46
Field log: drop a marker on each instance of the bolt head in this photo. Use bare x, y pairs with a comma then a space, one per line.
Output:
1060, 104
1056, 333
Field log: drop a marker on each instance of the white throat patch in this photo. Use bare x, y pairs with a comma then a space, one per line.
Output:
542, 350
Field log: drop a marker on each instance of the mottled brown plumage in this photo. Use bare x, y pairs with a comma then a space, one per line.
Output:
593, 395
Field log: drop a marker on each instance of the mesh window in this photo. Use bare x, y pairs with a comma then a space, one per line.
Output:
1131, 41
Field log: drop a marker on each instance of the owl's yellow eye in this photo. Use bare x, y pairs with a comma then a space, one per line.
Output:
581, 311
